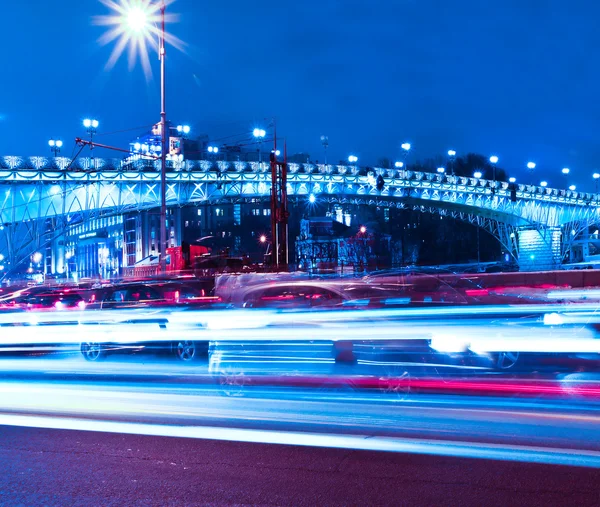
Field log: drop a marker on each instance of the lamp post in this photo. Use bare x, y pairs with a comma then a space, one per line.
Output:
260, 135
451, 157
325, 143
183, 130
530, 168
493, 161
91, 127
55, 146
477, 174
352, 159
214, 150
137, 24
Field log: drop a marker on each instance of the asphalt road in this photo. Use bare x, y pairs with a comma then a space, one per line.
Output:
75, 468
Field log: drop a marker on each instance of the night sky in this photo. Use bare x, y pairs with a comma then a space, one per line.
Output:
515, 78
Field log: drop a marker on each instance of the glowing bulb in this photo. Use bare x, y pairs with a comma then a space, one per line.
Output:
136, 19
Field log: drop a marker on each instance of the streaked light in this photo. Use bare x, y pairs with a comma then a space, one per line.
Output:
312, 198
259, 133
263, 239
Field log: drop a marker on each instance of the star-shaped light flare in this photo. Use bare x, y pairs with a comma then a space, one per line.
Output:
136, 25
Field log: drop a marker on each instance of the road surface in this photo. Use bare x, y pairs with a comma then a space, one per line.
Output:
75, 468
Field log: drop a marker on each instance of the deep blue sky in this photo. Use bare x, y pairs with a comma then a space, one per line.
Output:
518, 77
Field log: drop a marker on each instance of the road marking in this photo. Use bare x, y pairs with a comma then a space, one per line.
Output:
520, 453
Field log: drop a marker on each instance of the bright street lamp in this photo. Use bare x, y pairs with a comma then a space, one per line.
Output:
451, 153
183, 129
399, 165
90, 125
363, 229
477, 174
312, 198
55, 146
494, 159
543, 184
512, 179
352, 159
531, 165
260, 135
572, 188
137, 19
441, 170
565, 170
405, 146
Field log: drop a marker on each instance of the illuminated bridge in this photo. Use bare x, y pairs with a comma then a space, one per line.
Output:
41, 198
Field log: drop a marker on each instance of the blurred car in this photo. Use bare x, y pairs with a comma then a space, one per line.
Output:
54, 301
141, 295
163, 297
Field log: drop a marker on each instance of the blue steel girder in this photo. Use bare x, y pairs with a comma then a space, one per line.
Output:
35, 189
38, 194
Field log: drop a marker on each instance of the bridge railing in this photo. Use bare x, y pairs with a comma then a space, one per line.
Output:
13, 168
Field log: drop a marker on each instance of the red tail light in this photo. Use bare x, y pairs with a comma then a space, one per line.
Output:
477, 292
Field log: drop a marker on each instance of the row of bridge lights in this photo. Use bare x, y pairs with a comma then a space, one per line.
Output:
91, 126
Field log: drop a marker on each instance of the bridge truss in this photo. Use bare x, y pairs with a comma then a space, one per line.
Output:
40, 198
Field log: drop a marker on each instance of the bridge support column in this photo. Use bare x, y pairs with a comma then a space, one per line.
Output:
539, 249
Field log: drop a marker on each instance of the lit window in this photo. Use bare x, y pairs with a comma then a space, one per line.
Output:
218, 212
256, 212
187, 223
199, 212
266, 212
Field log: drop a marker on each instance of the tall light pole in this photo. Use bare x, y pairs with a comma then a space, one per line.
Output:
137, 23
163, 141
325, 143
